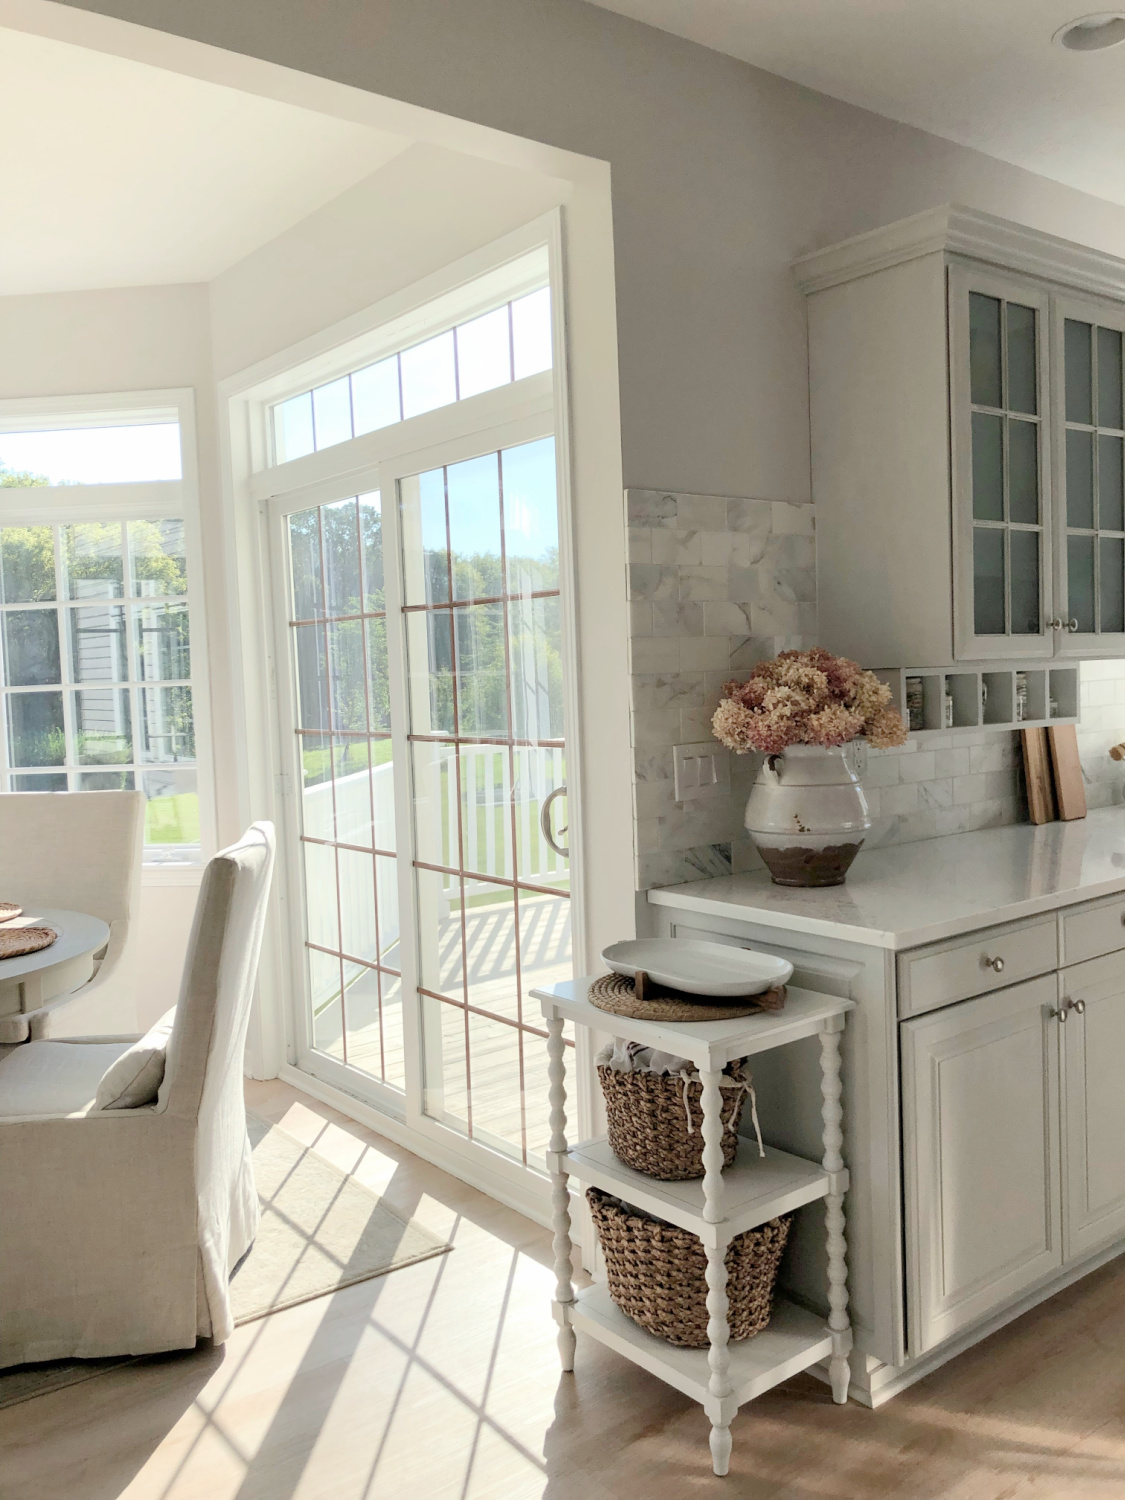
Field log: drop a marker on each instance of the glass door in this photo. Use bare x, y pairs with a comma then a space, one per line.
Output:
484, 644
1001, 471
1090, 477
423, 635
343, 830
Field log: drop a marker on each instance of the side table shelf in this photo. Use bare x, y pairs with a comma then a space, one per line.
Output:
717, 1208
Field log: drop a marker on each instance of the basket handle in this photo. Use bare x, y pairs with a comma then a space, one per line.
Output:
742, 1086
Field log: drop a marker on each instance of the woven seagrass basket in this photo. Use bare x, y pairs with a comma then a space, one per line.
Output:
657, 1273
648, 1120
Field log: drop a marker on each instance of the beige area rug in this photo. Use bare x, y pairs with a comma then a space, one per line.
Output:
320, 1231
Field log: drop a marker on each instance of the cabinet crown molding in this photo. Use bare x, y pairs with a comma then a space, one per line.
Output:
964, 231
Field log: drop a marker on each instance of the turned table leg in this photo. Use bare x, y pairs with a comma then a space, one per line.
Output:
832, 1114
718, 1330
560, 1192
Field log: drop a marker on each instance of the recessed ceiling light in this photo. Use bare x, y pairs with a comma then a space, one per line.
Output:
1093, 33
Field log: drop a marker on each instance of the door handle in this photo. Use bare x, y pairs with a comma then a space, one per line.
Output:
545, 821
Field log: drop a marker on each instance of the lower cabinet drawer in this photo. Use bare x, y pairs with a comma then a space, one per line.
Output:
1093, 930
963, 967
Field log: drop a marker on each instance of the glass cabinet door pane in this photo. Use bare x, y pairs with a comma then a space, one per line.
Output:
1111, 564
1023, 548
1023, 472
1079, 478
984, 349
988, 468
1109, 378
1080, 580
1022, 395
988, 581
1111, 516
1079, 397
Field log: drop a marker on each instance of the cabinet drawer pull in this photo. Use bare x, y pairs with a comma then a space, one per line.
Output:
997, 964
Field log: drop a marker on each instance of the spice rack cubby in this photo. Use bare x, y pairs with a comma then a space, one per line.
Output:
717, 1208
984, 697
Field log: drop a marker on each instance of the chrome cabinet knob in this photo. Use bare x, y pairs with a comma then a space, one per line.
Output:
997, 964
1080, 1007
1056, 623
1060, 1014
1072, 626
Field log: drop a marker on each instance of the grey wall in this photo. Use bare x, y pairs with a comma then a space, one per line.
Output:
721, 175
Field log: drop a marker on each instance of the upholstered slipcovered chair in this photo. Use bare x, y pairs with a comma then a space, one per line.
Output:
126, 1183
80, 851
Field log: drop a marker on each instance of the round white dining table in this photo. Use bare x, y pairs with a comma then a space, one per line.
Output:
31, 979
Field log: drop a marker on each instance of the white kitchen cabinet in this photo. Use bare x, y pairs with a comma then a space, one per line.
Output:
981, 1152
1093, 1049
968, 444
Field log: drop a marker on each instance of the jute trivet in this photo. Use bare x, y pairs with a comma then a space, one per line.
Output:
8, 910
16, 941
617, 994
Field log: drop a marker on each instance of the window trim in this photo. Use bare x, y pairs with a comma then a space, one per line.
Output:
244, 401
65, 504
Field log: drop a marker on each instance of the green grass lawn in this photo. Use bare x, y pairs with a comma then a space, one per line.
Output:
173, 820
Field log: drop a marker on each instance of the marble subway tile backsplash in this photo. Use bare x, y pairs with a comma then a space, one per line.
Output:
717, 584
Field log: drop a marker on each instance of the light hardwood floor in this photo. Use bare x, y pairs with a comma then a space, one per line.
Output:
440, 1382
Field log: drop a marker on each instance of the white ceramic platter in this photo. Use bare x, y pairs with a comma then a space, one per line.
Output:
699, 968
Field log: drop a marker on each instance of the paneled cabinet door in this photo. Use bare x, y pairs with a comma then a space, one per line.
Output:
1093, 1041
1001, 465
1089, 475
981, 1156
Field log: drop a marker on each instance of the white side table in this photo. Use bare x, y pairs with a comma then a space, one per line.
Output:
717, 1208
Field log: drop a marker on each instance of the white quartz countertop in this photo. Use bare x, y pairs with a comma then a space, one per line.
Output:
910, 894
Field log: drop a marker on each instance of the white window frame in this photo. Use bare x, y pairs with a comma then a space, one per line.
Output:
143, 500
256, 490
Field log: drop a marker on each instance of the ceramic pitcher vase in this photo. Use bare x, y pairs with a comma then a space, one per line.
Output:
807, 815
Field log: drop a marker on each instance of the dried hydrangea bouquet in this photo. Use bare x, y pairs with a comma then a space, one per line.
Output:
807, 814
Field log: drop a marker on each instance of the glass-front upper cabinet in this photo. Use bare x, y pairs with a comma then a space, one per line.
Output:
1001, 465
1089, 475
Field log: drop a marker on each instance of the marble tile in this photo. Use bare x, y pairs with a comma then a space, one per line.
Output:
704, 583
651, 508
640, 544
651, 581
705, 653
677, 547
702, 512
678, 617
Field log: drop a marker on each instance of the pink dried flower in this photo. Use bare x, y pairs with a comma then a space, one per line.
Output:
834, 725
809, 697
886, 729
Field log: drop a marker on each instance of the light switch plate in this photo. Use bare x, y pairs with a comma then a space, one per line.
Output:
700, 771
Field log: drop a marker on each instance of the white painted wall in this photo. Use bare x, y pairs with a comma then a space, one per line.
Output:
419, 213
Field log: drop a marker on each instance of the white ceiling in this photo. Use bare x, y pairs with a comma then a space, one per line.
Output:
984, 73
115, 173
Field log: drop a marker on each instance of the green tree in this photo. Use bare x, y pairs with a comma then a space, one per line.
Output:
20, 479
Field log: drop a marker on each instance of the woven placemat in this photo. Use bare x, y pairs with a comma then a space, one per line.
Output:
16, 941
8, 910
618, 995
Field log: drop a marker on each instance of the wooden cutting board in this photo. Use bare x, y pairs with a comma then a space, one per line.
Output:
1069, 787
1037, 775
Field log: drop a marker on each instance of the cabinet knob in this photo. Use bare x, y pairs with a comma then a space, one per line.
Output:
1056, 623
1080, 1007
1060, 1014
997, 964
1072, 626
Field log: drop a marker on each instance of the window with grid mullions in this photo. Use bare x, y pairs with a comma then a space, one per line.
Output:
95, 668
